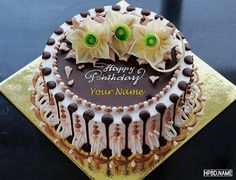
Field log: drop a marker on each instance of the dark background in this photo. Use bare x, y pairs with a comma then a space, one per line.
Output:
25, 26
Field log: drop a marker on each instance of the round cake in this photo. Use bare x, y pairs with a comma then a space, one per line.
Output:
117, 87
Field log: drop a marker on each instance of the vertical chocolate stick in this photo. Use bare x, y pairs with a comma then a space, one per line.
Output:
144, 116
174, 98
126, 119
72, 108
87, 115
107, 119
59, 97
161, 109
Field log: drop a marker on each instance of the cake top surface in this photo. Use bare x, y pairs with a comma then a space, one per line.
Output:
117, 58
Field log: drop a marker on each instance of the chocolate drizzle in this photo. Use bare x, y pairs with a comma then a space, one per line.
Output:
84, 14
145, 12
50, 42
46, 55
99, 9
187, 72
126, 119
87, 115
159, 16
161, 109
46, 71
116, 7
187, 47
182, 85
174, 98
130, 8
59, 97
59, 31
107, 119
144, 116
69, 21
188, 59
51, 84
72, 108
170, 24
180, 34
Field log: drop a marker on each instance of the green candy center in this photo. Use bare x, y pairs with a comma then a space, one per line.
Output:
152, 40
122, 32
90, 40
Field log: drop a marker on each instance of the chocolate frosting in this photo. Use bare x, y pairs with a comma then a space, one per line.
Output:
82, 87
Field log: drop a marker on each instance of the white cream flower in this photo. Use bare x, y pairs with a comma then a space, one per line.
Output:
152, 41
90, 41
121, 26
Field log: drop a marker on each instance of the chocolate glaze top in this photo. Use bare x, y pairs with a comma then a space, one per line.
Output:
111, 92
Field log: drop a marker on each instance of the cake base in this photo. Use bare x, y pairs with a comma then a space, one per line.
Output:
219, 93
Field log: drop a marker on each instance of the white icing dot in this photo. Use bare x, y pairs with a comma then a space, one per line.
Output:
32, 108
75, 98
175, 143
84, 102
103, 107
93, 105
136, 106
57, 76
189, 128
90, 159
54, 69
67, 92
178, 56
177, 71
110, 165
114, 109
30, 89
125, 108
133, 164
200, 82
156, 157
154, 99
173, 80
41, 124
203, 98
168, 87
162, 93
71, 151
177, 48
145, 103
199, 114
61, 84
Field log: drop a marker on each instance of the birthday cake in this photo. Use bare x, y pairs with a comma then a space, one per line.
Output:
117, 88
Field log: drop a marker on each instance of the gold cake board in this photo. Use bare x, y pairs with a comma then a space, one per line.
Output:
219, 93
